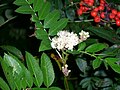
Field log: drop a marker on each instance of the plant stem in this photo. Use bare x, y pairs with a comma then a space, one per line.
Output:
88, 54
82, 21
59, 65
92, 55
8, 20
64, 57
66, 83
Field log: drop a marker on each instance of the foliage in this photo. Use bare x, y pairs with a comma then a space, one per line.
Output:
87, 67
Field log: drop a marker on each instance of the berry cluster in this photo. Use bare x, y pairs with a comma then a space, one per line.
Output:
101, 12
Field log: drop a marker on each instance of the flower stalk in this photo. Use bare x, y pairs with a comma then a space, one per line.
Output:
66, 83
66, 41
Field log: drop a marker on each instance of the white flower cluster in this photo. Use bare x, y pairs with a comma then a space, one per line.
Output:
67, 40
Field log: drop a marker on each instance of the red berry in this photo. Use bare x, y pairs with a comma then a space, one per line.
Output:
102, 15
96, 9
114, 11
111, 15
82, 8
116, 18
102, 1
97, 19
91, 1
94, 13
101, 7
86, 8
86, 0
79, 12
101, 4
81, 3
90, 4
118, 22
118, 14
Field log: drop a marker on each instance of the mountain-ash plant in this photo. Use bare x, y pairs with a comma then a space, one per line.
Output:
63, 39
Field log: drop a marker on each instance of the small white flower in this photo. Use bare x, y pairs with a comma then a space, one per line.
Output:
63, 33
83, 35
54, 42
65, 70
72, 41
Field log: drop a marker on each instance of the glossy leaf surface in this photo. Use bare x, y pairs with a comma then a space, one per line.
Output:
47, 69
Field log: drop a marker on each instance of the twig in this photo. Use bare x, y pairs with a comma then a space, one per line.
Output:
8, 21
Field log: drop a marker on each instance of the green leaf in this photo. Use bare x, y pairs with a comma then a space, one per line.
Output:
70, 12
51, 18
54, 88
3, 85
73, 52
106, 82
31, 1
96, 63
113, 64
106, 65
117, 87
41, 34
81, 46
58, 4
82, 64
45, 45
34, 18
8, 74
111, 51
37, 4
51, 88
100, 73
90, 87
34, 68
95, 47
8, 13
23, 2
47, 69
13, 72
40, 89
85, 82
118, 31
90, 41
24, 10
44, 11
109, 35
20, 2
87, 79
59, 25
2, 20
23, 83
12, 50
39, 25
11, 62
1, 58
27, 75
